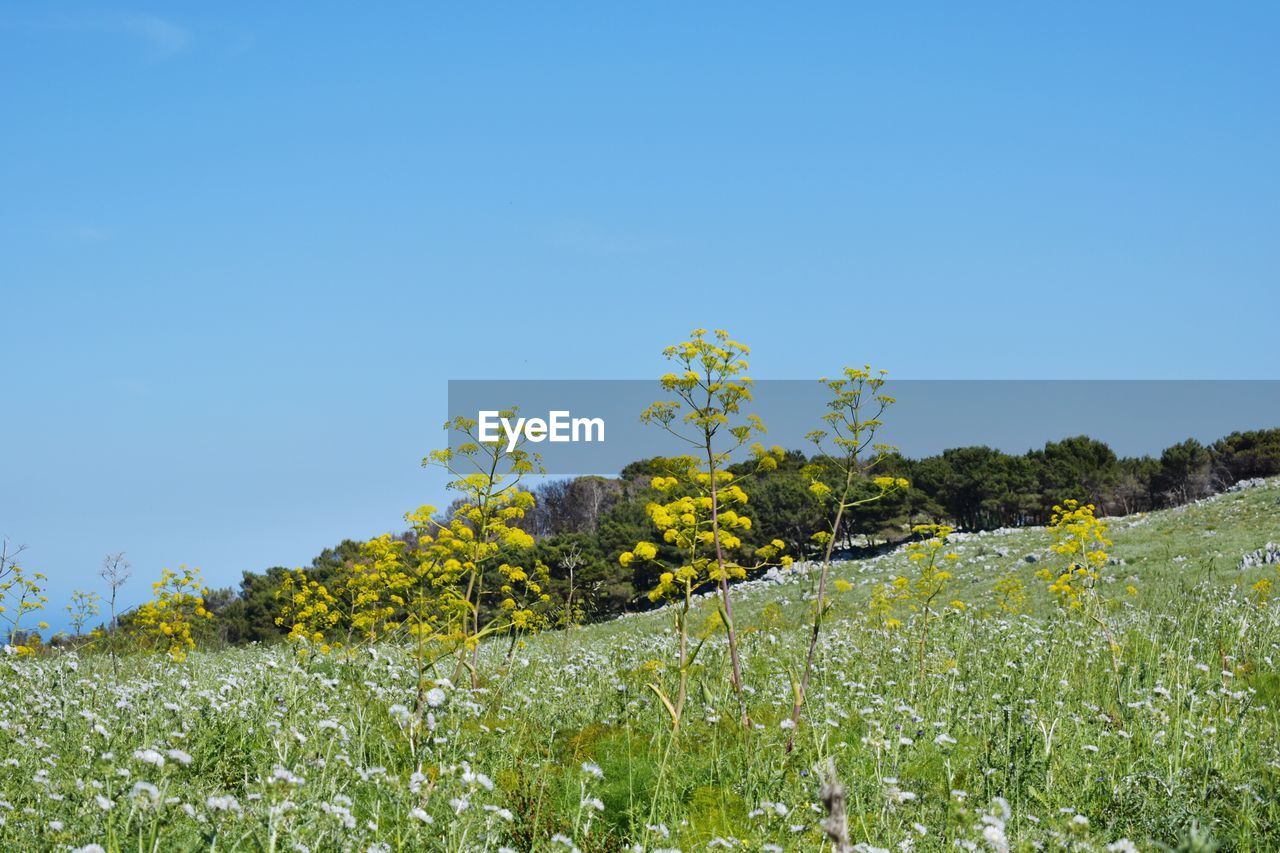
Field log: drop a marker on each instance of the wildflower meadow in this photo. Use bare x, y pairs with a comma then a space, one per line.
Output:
1098, 681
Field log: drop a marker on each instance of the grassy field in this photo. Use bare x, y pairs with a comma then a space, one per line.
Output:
1022, 733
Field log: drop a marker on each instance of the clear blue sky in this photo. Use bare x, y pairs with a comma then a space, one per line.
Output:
244, 245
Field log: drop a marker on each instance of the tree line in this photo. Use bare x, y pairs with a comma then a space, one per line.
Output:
582, 525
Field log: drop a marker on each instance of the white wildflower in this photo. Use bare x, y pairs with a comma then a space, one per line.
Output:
149, 756
224, 803
179, 756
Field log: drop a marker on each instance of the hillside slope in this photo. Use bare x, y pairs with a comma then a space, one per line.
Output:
997, 731
1163, 553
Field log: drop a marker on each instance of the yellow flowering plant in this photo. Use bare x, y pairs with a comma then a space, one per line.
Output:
849, 455
21, 592
308, 610
1009, 593
373, 588
1081, 537
706, 555
396, 585
448, 584
454, 554
176, 607
924, 592
710, 388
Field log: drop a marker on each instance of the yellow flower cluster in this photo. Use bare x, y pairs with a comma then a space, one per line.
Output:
685, 523
431, 584
525, 599
918, 593
888, 483
21, 592
1010, 594
175, 608
1081, 537
308, 609
374, 587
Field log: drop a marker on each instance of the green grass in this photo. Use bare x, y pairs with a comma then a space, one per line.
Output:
1020, 733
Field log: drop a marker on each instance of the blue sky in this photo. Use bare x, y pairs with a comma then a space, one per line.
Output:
244, 246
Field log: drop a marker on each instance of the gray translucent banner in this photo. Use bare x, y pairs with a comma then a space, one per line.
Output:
1135, 417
